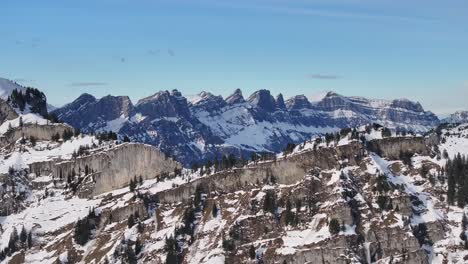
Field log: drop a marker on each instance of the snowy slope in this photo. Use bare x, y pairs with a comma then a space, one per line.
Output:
343, 182
7, 86
29, 118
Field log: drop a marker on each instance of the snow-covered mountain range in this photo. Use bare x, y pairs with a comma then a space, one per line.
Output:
205, 126
457, 117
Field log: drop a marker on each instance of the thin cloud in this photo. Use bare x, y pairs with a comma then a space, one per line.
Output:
312, 11
154, 52
323, 76
120, 59
171, 52
34, 42
87, 84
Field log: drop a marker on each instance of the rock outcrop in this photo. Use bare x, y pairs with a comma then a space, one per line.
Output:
40, 132
6, 112
394, 147
113, 168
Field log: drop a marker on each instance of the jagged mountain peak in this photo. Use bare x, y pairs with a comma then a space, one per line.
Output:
235, 98
207, 101
86, 97
263, 99
164, 104
280, 101
333, 94
407, 104
176, 93
160, 95
298, 102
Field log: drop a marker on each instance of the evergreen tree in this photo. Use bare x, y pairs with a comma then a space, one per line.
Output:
288, 218
215, 210
334, 226
386, 132
138, 246
130, 255
132, 185
172, 249
82, 231
13, 242
252, 252
130, 221
33, 141
456, 171
56, 137
289, 148
10, 128
269, 203
23, 237
30, 239
232, 160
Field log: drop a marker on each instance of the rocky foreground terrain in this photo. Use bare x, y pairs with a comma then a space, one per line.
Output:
360, 196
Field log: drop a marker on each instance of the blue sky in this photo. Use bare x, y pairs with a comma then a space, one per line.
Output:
381, 49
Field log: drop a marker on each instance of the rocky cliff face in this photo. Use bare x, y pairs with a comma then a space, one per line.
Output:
6, 112
207, 125
39, 132
89, 114
111, 169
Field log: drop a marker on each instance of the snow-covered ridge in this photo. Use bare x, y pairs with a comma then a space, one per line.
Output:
7, 86
457, 117
29, 118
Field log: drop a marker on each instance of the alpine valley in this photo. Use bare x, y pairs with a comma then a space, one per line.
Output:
214, 180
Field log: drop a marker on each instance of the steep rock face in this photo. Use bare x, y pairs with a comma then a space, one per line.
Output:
263, 100
358, 111
208, 102
280, 102
6, 112
164, 104
40, 132
114, 168
393, 148
235, 98
89, 114
164, 120
298, 102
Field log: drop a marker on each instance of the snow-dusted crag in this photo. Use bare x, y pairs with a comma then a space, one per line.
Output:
457, 117
207, 125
